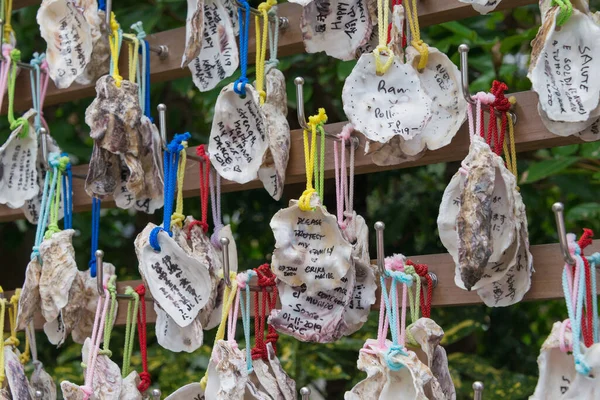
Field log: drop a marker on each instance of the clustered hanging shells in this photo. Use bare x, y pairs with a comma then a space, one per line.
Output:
482, 224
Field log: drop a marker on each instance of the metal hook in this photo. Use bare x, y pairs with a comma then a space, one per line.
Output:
100, 272
477, 390
44, 139
156, 394
379, 228
305, 393
463, 49
226, 270
558, 209
162, 123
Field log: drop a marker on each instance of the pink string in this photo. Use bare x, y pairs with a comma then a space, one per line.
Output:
402, 328
4, 69
383, 324
95, 341
232, 319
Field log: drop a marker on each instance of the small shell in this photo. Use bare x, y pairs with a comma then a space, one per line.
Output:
42, 381
175, 338
227, 373
194, 31
238, 138
191, 391
30, 301
309, 248
391, 153
71, 391
483, 6
18, 161
60, 23
15, 375
129, 387
338, 28
382, 107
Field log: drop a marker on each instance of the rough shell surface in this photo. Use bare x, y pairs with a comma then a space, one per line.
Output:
129, 387
219, 57
18, 160
582, 129
483, 6
99, 63
272, 170
42, 381
107, 381
441, 82
232, 11
287, 385
58, 273
60, 22
15, 375
194, 31
227, 373
238, 138
382, 107
30, 301
575, 46
371, 387
71, 391
336, 27
264, 380
391, 153
190, 391
411, 380
309, 248
175, 338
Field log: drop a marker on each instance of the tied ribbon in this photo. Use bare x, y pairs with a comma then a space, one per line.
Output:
145, 378
22, 123
315, 123
261, 46
204, 176
244, 22
566, 10
416, 42
130, 326
114, 40
382, 13
267, 302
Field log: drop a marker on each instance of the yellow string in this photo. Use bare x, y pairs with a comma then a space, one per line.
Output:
177, 217
229, 296
133, 46
261, 46
310, 153
382, 12
12, 319
113, 41
2, 313
417, 43
8, 30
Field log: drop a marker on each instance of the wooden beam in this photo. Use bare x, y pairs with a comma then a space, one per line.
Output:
530, 135
546, 282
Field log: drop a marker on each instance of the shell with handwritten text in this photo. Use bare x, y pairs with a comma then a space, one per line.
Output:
99, 63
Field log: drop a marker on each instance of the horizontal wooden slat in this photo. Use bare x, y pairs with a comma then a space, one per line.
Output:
546, 282
530, 135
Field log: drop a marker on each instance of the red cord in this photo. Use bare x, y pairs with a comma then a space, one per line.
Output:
145, 377
266, 278
502, 105
204, 168
587, 320
423, 270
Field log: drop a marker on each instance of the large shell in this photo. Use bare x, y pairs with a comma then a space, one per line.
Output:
317, 317
99, 63
179, 283
18, 161
190, 391
58, 273
336, 27
238, 138
562, 73
441, 82
227, 373
42, 381
382, 107
309, 248
194, 31
287, 385
272, 170
219, 56
106, 381
410, 380
30, 301
175, 338
483, 6
15, 375
129, 387
68, 36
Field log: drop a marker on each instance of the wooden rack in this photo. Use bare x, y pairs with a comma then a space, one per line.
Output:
530, 135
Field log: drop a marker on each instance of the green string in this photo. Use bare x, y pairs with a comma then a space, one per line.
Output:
132, 309
320, 165
566, 10
55, 207
415, 301
15, 56
108, 324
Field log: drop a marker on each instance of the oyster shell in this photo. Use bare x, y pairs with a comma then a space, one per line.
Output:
238, 137
175, 338
68, 36
42, 381
287, 385
391, 153
129, 387
411, 380
58, 273
272, 170
382, 107
107, 381
336, 27
397, 30
227, 373
18, 160
15, 375
483, 6
370, 362
190, 391
99, 62
561, 69
219, 57
266, 381
194, 31
30, 301
60, 328
309, 248
71, 391
232, 10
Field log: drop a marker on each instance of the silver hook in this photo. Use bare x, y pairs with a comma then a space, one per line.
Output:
305, 393
477, 390
558, 209
226, 270
463, 49
379, 228
434, 279
100, 272
44, 139
156, 394
162, 123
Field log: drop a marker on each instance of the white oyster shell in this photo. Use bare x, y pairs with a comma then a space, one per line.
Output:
369, 388
175, 338
194, 31
30, 301
382, 107
106, 381
42, 381
336, 27
287, 385
129, 387
15, 375
190, 391
391, 153
483, 6
309, 248
227, 373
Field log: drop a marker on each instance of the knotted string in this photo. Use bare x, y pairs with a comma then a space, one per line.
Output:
130, 325
344, 185
60, 163
587, 322
566, 10
215, 202
9, 33
244, 304
133, 47
244, 21
261, 46
110, 320
416, 42
423, 272
21, 122
383, 10
12, 340
39, 85
315, 124
263, 303
204, 177
145, 378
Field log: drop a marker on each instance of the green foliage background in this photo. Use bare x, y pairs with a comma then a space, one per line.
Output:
497, 346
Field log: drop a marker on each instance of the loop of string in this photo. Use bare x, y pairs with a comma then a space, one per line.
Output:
413, 22
423, 272
204, 176
39, 85
12, 340
244, 303
130, 326
215, 202
178, 217
566, 10
95, 235
115, 39
263, 304
244, 22
228, 298
170, 166
588, 315
273, 38
261, 46
383, 10
315, 124
145, 379
344, 184
50, 183
60, 163
510, 152
21, 122
110, 320
501, 104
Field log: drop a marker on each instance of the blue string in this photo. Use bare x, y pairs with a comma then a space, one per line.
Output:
594, 260
35, 77
44, 210
147, 109
68, 195
240, 85
95, 234
245, 307
102, 5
